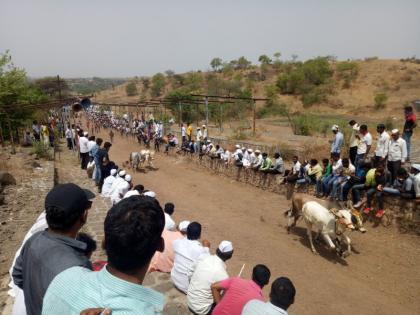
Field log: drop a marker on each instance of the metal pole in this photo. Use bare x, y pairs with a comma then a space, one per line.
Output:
221, 117
253, 116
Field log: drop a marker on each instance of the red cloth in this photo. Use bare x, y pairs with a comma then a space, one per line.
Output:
98, 265
411, 117
238, 292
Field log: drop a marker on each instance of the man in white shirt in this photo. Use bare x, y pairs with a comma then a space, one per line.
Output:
136, 191
84, 150
257, 160
183, 133
121, 190
91, 144
106, 187
69, 137
169, 222
204, 132
187, 252
363, 148
282, 295
415, 170
199, 135
247, 159
353, 142
382, 145
210, 269
397, 153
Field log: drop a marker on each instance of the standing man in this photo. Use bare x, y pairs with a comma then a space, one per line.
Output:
353, 141
338, 140
205, 134
183, 133
84, 150
409, 125
49, 252
365, 143
36, 130
415, 170
397, 153
189, 132
69, 137
382, 145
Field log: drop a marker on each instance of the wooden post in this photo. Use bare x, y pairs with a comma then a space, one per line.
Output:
253, 116
207, 113
180, 113
221, 117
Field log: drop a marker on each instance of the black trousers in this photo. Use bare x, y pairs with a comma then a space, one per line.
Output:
84, 160
69, 143
393, 167
352, 154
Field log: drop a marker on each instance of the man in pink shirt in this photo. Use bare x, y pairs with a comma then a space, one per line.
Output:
164, 261
238, 291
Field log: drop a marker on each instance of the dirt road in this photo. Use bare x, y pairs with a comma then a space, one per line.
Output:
381, 277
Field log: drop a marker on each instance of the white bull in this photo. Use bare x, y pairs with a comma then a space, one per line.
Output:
331, 226
137, 159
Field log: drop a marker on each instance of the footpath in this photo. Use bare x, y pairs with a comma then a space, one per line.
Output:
67, 169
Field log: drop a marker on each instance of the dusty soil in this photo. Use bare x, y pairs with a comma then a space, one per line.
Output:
382, 276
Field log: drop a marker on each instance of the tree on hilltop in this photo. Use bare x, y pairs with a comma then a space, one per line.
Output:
216, 64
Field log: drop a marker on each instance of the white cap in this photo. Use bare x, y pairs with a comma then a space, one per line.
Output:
121, 173
183, 225
257, 151
250, 150
198, 128
237, 146
243, 148
416, 166
113, 171
150, 194
204, 126
85, 133
225, 246
127, 178
334, 128
394, 131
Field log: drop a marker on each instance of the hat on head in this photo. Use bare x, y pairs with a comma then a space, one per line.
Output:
395, 131
334, 128
243, 148
150, 194
68, 197
113, 172
416, 166
121, 173
127, 178
85, 133
249, 150
204, 126
183, 225
237, 146
225, 246
198, 128
257, 151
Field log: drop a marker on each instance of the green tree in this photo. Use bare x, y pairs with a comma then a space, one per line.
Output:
131, 89
380, 100
264, 60
216, 64
169, 73
158, 84
50, 86
243, 63
146, 83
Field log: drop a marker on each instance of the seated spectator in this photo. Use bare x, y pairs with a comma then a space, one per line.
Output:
375, 181
122, 188
238, 156
172, 142
403, 185
27, 140
49, 252
169, 211
347, 171
415, 171
133, 230
355, 181
313, 174
337, 167
219, 151
257, 160
136, 191
187, 251
209, 270
90, 243
164, 261
326, 172
106, 187
238, 291
282, 295
278, 166
266, 164
297, 172
247, 159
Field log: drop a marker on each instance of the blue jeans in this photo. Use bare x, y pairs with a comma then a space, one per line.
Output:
335, 186
391, 191
407, 137
355, 192
328, 182
97, 175
358, 161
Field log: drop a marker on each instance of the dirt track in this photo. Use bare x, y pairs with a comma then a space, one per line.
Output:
381, 277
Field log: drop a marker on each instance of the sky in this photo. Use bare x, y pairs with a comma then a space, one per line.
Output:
124, 38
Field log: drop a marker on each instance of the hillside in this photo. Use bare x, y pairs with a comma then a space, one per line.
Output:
400, 81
